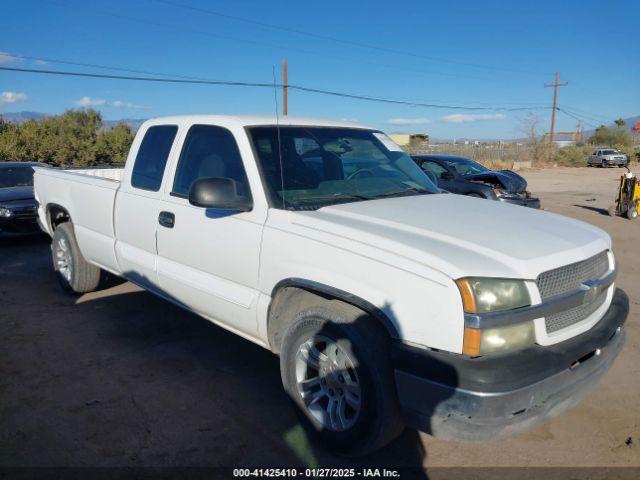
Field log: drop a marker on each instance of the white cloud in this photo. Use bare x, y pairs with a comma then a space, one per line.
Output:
134, 106
408, 121
472, 117
90, 102
12, 97
349, 120
41, 62
6, 58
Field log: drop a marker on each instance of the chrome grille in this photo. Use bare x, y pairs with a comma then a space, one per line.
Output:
558, 321
570, 277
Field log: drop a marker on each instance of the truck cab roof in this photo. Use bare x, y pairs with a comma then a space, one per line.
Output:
253, 120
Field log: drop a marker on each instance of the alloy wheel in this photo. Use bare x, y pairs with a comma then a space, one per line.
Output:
328, 383
63, 259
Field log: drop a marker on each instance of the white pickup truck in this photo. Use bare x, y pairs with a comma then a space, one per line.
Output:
390, 302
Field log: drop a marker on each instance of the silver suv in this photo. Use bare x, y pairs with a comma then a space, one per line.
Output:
605, 157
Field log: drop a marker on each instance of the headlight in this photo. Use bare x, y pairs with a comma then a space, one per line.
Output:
499, 339
6, 212
484, 295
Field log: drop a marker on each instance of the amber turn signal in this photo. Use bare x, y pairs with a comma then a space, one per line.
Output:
468, 298
471, 342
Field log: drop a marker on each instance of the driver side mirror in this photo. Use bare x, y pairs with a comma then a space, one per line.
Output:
446, 176
221, 193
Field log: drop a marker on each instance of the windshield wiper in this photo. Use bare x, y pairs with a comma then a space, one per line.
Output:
338, 196
399, 193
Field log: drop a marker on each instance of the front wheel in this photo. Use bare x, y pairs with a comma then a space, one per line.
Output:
74, 273
632, 211
335, 367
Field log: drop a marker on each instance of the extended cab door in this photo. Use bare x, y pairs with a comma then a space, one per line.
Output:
208, 259
138, 204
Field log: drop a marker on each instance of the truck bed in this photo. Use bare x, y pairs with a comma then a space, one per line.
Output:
88, 195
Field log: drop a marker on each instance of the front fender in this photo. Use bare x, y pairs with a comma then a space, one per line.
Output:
422, 306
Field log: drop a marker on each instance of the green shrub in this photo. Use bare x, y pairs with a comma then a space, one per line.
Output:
75, 138
571, 157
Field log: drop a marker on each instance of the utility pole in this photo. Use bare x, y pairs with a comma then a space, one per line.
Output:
555, 86
285, 106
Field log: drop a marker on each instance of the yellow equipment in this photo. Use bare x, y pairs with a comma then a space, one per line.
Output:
628, 197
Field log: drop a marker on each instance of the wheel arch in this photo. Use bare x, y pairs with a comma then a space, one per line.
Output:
292, 295
56, 215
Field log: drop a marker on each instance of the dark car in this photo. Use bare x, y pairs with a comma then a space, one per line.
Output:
466, 177
18, 207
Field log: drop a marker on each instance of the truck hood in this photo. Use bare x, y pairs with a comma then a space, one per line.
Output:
457, 235
510, 181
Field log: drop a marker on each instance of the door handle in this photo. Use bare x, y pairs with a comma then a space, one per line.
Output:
167, 219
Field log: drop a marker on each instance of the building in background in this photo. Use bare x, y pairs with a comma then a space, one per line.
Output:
412, 140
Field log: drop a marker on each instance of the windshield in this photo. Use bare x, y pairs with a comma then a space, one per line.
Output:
466, 167
325, 165
16, 177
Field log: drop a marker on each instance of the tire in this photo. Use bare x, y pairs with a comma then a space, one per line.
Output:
74, 273
612, 211
604, 164
475, 195
632, 211
352, 366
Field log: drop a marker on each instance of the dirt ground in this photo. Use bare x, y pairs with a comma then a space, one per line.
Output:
121, 378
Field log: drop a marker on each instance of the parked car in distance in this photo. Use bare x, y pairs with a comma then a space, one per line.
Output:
389, 303
607, 157
18, 208
465, 177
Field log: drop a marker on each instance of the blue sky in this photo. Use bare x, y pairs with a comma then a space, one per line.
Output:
468, 53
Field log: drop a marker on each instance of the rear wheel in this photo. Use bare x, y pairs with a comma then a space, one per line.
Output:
74, 273
632, 211
335, 367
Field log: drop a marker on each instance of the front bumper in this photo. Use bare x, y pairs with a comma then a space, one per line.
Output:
473, 399
524, 201
615, 161
19, 226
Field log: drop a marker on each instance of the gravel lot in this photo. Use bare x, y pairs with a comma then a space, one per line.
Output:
121, 378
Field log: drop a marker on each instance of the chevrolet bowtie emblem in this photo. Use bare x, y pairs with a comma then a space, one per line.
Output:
591, 292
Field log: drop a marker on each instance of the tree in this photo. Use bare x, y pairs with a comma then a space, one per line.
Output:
75, 138
615, 137
112, 146
529, 125
620, 122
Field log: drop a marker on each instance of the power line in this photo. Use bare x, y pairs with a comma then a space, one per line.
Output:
192, 77
287, 48
103, 67
575, 117
335, 39
586, 114
260, 85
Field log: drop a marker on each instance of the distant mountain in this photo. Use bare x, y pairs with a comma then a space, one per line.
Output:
21, 117
132, 123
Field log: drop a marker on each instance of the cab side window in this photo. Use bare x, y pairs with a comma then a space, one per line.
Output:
433, 167
151, 159
209, 152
